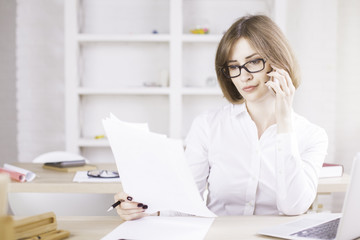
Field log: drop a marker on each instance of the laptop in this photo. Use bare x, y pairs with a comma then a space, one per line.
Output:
327, 225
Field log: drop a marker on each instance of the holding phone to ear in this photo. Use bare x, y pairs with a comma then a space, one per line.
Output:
272, 91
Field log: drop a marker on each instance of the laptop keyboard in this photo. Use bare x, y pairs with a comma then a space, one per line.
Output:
323, 231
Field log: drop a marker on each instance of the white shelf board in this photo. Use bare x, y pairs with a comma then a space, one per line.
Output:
201, 91
84, 38
87, 142
201, 38
125, 91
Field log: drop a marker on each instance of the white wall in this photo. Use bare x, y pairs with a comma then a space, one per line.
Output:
312, 31
40, 77
8, 149
325, 36
348, 82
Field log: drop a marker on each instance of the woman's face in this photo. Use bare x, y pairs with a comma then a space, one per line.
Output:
250, 85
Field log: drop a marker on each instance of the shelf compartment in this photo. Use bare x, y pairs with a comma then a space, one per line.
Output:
200, 13
124, 16
198, 64
150, 109
124, 64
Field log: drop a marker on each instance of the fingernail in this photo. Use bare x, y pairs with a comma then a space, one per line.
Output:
145, 206
129, 198
140, 205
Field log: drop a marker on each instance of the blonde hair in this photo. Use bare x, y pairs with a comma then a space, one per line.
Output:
266, 38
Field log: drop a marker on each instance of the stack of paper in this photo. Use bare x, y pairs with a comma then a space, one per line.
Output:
153, 169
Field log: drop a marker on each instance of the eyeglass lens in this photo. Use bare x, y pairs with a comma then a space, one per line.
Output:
253, 66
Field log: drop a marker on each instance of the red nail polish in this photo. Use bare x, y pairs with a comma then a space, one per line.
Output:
129, 198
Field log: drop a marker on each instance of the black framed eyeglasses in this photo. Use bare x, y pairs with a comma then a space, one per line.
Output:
234, 70
103, 174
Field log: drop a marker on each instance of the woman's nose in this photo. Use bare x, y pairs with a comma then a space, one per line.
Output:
245, 75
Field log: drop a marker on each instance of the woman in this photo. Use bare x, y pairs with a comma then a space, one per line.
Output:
255, 155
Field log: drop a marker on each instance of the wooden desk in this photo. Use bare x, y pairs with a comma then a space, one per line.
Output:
48, 181
238, 227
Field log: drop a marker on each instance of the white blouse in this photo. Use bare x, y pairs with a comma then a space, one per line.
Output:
245, 175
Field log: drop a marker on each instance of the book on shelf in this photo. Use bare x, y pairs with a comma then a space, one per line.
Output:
331, 170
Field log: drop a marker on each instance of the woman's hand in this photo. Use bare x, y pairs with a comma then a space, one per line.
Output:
129, 210
284, 90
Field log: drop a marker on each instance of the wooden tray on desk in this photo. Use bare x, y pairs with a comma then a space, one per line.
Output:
42, 226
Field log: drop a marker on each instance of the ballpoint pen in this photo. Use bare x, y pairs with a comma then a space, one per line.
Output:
114, 206
120, 201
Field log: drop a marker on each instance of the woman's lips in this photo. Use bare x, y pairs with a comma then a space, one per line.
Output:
249, 88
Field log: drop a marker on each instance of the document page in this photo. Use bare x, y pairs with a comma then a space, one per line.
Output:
162, 228
153, 169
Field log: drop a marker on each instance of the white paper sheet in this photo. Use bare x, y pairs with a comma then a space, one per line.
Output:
162, 228
81, 176
153, 169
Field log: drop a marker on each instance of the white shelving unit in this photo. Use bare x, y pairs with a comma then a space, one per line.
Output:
115, 63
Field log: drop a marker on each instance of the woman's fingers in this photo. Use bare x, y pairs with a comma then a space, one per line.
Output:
133, 205
131, 210
128, 209
288, 80
122, 196
282, 82
276, 88
132, 216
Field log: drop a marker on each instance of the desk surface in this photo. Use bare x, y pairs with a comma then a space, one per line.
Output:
49, 181
235, 227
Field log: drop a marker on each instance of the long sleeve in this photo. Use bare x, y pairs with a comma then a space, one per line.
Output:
297, 171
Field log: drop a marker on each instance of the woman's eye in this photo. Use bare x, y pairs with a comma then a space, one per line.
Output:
233, 67
256, 61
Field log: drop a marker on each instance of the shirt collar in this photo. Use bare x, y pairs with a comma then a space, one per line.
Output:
237, 109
